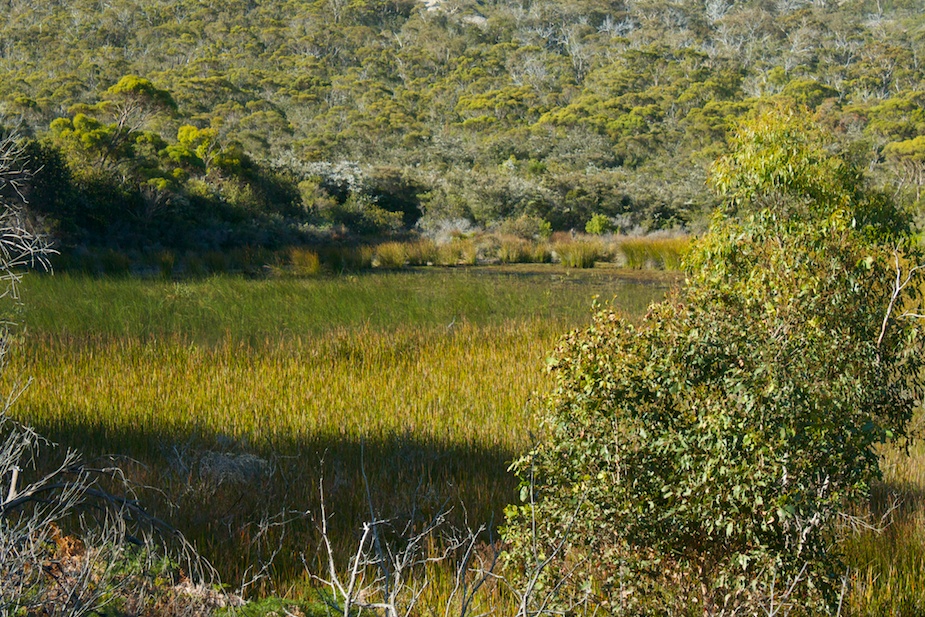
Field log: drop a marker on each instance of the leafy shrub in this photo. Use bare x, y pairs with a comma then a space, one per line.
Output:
598, 225
702, 459
526, 227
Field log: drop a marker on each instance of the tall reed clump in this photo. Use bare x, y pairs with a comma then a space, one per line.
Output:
462, 251
304, 262
654, 251
390, 255
580, 252
513, 250
421, 252
347, 258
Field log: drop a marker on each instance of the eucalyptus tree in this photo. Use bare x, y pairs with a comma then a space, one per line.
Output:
703, 459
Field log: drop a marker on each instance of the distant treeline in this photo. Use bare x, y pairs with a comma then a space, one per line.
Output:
191, 124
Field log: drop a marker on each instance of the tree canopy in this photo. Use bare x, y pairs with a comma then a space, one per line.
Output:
487, 110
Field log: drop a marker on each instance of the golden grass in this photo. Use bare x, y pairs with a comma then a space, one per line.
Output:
389, 255
424, 379
304, 262
437, 410
888, 564
654, 251
427, 376
582, 252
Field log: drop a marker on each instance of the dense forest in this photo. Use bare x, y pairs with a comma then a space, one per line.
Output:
206, 124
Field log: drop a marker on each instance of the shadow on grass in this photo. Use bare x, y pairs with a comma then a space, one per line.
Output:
241, 503
896, 500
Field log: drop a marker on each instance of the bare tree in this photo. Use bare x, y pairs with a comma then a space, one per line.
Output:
388, 571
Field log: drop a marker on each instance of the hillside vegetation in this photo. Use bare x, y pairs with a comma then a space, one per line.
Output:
208, 125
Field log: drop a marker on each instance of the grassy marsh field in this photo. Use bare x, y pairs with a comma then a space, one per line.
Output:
231, 398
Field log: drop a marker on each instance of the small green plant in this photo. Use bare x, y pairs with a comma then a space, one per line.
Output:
598, 225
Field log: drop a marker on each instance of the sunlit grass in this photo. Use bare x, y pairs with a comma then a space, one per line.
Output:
888, 560
424, 379
252, 310
654, 251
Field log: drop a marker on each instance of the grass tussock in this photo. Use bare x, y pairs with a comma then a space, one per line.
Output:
421, 252
390, 255
304, 262
580, 252
665, 253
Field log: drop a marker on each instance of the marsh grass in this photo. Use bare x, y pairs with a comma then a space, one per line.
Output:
654, 251
422, 252
390, 255
581, 252
482, 248
253, 310
435, 413
424, 378
304, 262
888, 564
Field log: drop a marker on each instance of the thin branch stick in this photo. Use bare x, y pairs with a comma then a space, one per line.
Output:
898, 285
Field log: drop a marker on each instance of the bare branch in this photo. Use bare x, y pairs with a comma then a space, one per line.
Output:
899, 285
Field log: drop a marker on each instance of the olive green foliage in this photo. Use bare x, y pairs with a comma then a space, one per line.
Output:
230, 124
701, 461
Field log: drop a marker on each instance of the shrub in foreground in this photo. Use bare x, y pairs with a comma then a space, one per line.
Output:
700, 461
